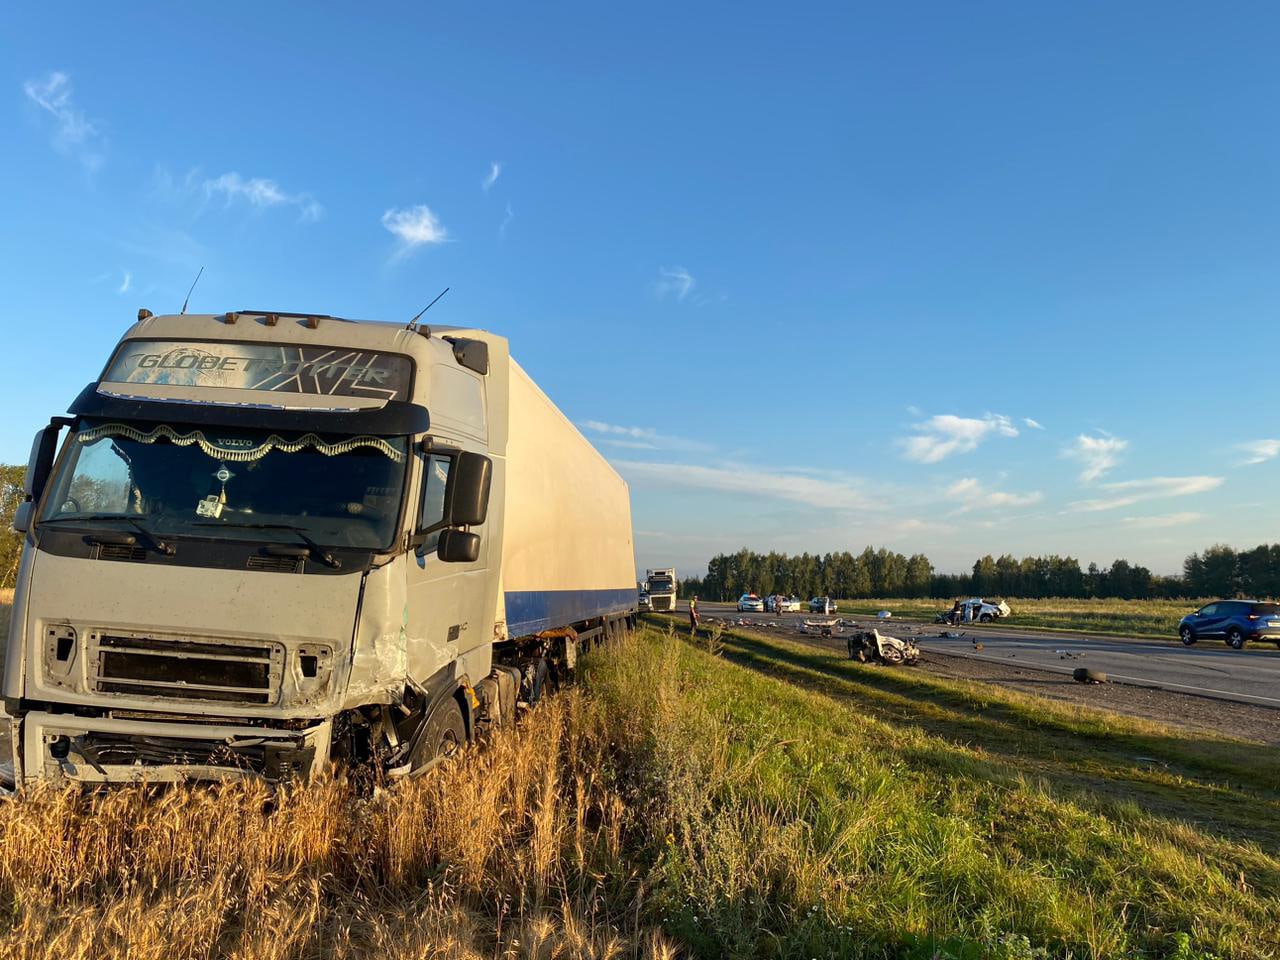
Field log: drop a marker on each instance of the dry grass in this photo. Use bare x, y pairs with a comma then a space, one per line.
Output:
768, 801
515, 854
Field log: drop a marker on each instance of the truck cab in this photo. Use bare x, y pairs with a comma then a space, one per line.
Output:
260, 542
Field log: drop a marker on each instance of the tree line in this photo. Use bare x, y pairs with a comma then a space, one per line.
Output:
1219, 571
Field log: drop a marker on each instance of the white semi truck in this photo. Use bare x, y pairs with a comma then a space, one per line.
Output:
662, 589
262, 542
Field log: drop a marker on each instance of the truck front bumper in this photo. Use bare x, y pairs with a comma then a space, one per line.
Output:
100, 750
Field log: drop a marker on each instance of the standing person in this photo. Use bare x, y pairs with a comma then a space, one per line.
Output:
956, 613
693, 615
777, 604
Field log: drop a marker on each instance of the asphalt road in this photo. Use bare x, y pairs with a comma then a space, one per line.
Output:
1209, 669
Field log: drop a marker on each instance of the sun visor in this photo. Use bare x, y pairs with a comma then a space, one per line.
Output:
392, 418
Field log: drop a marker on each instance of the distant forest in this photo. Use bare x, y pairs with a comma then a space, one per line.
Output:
1220, 571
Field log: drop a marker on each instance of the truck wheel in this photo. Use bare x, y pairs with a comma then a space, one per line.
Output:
1235, 638
1187, 635
444, 736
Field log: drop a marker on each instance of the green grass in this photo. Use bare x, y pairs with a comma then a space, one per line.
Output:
1129, 618
818, 807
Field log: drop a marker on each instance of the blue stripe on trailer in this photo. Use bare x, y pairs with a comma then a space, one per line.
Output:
529, 611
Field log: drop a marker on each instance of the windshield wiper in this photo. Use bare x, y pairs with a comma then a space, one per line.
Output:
160, 546
323, 555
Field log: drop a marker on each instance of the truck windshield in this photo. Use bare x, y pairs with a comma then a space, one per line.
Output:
232, 484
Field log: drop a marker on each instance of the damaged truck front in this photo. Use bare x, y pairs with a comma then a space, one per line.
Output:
263, 542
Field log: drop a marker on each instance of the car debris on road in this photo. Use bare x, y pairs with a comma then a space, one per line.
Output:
871, 646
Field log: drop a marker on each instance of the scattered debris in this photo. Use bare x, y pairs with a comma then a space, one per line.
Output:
885, 614
1085, 675
951, 634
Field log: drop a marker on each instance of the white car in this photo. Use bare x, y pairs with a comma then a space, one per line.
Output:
750, 603
984, 611
823, 605
791, 605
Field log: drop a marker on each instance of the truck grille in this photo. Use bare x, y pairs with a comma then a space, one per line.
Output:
226, 671
114, 749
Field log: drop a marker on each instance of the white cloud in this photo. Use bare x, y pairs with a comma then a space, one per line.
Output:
261, 192
1098, 454
506, 222
73, 131
673, 281
941, 436
1258, 451
972, 495
1032, 424
125, 283
1161, 521
639, 438
495, 171
736, 478
1129, 492
415, 226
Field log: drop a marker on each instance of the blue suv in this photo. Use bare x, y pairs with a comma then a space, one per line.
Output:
1235, 621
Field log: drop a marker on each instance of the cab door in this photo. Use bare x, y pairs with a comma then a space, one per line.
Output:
446, 600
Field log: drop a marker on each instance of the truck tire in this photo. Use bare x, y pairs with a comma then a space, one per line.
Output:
1085, 675
444, 736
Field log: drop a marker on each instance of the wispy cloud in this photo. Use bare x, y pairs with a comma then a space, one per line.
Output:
972, 495
261, 193
752, 481
506, 222
125, 282
1129, 492
1098, 454
495, 171
1258, 451
941, 436
640, 438
1161, 521
1032, 424
673, 282
415, 227
73, 132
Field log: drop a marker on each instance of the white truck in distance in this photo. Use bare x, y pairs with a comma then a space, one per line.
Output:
270, 541
662, 589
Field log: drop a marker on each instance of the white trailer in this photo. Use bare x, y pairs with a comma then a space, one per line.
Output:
270, 541
662, 588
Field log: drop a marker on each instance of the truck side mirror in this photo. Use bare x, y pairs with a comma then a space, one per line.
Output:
40, 462
39, 466
457, 546
469, 482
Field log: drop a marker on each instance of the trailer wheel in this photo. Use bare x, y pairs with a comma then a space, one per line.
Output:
444, 736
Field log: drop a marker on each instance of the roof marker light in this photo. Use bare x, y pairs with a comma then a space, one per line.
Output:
230, 318
144, 314
270, 319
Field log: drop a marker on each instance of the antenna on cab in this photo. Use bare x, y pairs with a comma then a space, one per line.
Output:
189, 292
413, 324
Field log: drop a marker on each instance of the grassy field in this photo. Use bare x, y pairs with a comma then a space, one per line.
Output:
739, 797
1131, 618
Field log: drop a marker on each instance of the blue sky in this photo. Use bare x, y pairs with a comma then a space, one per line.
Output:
952, 278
